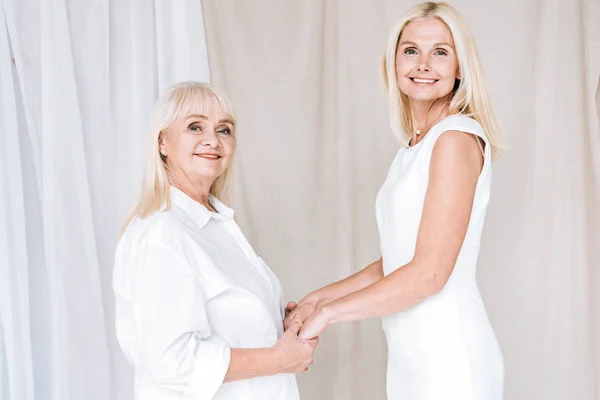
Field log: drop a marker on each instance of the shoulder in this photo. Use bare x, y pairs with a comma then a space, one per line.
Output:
167, 228
456, 150
463, 122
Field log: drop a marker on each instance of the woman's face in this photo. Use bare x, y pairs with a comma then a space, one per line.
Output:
426, 62
199, 148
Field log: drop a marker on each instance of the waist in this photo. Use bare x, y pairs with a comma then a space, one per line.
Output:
453, 314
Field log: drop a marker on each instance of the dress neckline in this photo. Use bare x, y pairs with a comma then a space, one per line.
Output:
409, 147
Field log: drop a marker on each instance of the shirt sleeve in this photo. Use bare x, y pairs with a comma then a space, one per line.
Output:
169, 310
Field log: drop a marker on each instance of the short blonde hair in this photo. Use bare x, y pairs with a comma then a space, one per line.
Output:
470, 98
181, 99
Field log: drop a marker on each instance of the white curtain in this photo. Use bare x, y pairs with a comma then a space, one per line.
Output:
78, 80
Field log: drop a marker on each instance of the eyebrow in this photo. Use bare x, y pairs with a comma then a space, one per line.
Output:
227, 121
434, 45
204, 117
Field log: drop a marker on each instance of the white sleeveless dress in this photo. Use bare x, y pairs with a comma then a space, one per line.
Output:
443, 348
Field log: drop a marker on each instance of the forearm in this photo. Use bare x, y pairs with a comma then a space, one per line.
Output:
399, 291
252, 363
363, 278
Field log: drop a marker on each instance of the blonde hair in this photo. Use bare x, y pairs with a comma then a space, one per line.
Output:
181, 99
470, 98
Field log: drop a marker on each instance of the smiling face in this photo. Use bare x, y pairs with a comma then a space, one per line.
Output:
426, 62
198, 147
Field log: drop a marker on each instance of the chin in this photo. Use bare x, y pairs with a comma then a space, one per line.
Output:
424, 95
208, 175
420, 96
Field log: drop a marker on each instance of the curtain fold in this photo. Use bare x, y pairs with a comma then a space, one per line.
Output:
75, 108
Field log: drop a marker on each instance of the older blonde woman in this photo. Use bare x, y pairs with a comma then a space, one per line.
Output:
198, 313
430, 213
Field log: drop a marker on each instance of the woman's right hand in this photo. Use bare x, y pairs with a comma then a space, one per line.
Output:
292, 353
298, 315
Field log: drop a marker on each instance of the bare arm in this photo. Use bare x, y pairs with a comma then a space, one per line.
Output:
455, 167
306, 307
290, 355
363, 278
251, 363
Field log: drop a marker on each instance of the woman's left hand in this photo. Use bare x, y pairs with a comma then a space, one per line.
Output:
315, 324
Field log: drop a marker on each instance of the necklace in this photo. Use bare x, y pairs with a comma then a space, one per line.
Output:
426, 128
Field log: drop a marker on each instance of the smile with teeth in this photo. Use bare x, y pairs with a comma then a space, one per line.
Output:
208, 156
421, 80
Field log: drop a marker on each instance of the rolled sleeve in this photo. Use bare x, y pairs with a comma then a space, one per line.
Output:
209, 373
173, 330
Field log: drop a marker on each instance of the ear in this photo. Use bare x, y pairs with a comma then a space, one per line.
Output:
161, 144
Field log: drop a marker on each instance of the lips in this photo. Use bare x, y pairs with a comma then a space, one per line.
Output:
424, 81
208, 156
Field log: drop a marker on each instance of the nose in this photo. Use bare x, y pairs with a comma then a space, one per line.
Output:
209, 138
423, 65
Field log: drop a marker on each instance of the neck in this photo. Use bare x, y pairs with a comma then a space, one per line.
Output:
425, 114
198, 190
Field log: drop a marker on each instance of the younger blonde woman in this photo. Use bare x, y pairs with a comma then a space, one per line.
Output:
430, 213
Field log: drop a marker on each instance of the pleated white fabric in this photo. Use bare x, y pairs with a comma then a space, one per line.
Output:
77, 83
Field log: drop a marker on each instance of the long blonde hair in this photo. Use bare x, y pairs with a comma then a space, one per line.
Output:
181, 99
470, 98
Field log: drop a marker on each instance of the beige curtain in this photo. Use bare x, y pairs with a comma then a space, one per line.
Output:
315, 145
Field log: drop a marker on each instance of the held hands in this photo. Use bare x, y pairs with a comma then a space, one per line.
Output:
310, 314
315, 324
294, 354
297, 313
303, 323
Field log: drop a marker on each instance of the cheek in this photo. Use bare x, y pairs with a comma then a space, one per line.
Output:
403, 67
228, 147
448, 69
178, 150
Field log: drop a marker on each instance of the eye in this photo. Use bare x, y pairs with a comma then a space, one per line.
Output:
440, 52
410, 51
196, 127
224, 131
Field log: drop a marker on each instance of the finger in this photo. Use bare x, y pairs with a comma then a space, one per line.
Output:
290, 314
295, 327
291, 306
303, 333
307, 334
289, 320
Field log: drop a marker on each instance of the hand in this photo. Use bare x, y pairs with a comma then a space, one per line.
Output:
291, 306
294, 354
298, 315
315, 324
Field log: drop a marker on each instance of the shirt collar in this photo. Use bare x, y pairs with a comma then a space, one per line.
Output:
196, 211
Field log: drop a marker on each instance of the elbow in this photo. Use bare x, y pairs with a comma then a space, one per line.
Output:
376, 275
434, 282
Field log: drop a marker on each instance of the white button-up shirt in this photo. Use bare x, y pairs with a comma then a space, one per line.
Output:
188, 288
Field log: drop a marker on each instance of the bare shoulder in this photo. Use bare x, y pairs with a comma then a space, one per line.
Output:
457, 150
